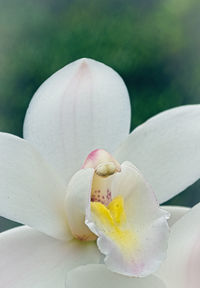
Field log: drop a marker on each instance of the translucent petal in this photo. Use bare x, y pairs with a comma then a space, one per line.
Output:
30, 191
166, 150
77, 202
176, 212
181, 268
29, 259
82, 107
98, 276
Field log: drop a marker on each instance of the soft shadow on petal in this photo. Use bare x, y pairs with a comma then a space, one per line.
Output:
181, 268
29, 259
175, 212
82, 107
166, 150
137, 246
77, 202
30, 192
98, 276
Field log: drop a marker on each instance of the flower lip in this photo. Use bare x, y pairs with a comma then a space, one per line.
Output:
119, 208
137, 244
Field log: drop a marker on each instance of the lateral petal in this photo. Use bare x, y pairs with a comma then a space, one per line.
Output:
31, 192
175, 212
98, 276
181, 268
166, 150
34, 260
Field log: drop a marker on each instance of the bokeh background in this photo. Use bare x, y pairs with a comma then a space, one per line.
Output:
154, 45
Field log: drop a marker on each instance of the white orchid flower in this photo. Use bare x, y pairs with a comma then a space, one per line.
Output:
63, 182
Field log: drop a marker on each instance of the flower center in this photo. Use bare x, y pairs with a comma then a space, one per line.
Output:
113, 214
105, 167
112, 221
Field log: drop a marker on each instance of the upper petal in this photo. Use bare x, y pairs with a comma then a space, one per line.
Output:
98, 276
181, 268
83, 106
29, 259
166, 150
30, 191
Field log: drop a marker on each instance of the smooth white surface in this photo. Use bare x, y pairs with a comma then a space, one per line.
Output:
30, 192
29, 259
77, 201
181, 269
166, 150
82, 107
98, 276
176, 212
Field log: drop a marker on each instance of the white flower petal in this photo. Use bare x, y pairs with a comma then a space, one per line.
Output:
175, 212
77, 202
139, 245
166, 150
181, 268
30, 192
98, 276
82, 107
29, 259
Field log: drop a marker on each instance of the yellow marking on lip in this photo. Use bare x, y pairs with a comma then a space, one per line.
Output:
112, 221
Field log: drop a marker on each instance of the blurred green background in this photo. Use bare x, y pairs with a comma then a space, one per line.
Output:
154, 45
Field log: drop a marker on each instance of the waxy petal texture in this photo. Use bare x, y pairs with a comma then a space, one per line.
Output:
77, 202
175, 212
138, 245
166, 150
29, 259
30, 191
98, 276
82, 107
181, 268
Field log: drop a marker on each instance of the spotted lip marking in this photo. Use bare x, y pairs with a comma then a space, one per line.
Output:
99, 197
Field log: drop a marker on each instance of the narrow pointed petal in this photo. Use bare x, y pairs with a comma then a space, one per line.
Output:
175, 212
30, 191
134, 241
181, 268
98, 276
166, 150
82, 107
31, 259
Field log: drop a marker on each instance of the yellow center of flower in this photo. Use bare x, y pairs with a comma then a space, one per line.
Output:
111, 220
